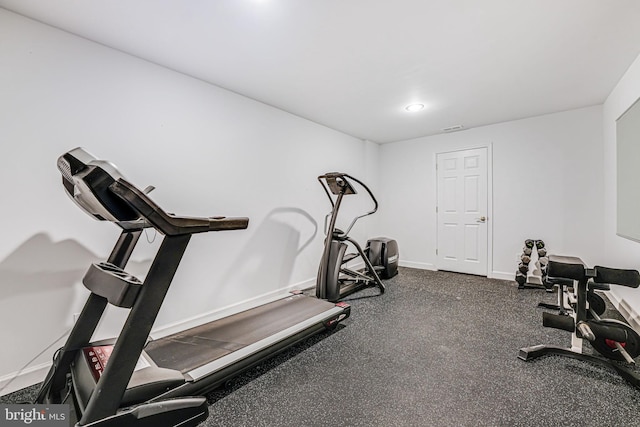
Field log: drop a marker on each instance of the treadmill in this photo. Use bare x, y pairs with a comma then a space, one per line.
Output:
137, 380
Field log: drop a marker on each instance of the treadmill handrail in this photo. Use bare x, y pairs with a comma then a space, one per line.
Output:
169, 224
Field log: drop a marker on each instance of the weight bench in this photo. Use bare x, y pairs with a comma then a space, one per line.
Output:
611, 338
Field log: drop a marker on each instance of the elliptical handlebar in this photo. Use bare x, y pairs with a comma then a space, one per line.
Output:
338, 184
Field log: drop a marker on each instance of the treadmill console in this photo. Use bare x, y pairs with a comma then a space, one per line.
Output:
87, 180
101, 191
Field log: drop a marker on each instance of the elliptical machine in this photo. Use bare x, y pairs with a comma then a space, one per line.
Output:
580, 314
380, 256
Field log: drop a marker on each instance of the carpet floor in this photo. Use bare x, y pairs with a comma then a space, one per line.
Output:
437, 349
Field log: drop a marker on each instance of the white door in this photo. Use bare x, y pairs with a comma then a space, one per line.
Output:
462, 211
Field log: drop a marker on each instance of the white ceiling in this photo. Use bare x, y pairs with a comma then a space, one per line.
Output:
353, 65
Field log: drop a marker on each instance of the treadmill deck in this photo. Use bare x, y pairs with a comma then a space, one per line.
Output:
190, 349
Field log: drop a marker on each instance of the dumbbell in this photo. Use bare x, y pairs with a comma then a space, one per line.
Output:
525, 259
521, 279
526, 250
524, 268
542, 252
529, 243
539, 244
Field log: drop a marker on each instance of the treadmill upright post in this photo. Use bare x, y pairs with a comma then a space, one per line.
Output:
108, 393
85, 325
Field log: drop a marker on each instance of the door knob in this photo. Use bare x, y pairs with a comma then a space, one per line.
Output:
481, 219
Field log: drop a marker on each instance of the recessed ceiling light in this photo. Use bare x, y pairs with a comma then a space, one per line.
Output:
412, 108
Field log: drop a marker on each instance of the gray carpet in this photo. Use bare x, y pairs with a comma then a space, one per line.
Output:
438, 349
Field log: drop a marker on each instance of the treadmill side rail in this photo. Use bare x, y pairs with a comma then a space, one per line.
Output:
182, 412
334, 313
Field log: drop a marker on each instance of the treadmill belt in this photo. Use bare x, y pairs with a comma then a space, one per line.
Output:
190, 349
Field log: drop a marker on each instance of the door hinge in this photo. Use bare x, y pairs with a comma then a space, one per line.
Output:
436, 252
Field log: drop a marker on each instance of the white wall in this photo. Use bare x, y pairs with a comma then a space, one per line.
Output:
208, 151
211, 152
547, 184
619, 252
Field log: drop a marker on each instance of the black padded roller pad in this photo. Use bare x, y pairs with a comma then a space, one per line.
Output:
616, 276
558, 321
567, 267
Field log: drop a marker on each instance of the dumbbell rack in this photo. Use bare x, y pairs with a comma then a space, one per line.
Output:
532, 269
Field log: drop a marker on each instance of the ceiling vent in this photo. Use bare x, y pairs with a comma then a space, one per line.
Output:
453, 128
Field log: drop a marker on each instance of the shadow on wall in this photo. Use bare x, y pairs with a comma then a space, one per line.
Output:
41, 289
267, 260
38, 281
42, 265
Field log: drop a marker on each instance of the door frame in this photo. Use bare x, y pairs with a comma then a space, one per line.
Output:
489, 148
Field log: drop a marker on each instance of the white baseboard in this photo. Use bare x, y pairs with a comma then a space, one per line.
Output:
24, 378
628, 312
502, 275
230, 309
418, 265
428, 266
